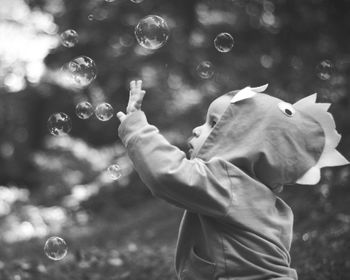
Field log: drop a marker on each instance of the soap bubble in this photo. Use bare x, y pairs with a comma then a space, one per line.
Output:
91, 17
69, 38
152, 32
82, 69
205, 70
324, 69
136, 1
55, 248
223, 42
114, 171
59, 124
84, 110
104, 112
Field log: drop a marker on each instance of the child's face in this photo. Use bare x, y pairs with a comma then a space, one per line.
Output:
200, 133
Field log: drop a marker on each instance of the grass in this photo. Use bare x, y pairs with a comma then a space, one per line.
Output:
139, 242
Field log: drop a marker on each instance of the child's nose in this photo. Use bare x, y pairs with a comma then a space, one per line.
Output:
196, 131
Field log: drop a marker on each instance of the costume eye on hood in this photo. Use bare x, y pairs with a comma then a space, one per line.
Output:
274, 141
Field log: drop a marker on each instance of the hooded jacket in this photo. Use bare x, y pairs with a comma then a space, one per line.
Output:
234, 226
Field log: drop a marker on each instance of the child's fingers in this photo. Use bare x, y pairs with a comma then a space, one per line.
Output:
132, 85
121, 116
139, 84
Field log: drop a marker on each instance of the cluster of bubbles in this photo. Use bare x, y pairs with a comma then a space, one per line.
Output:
151, 32
55, 248
223, 43
60, 123
82, 69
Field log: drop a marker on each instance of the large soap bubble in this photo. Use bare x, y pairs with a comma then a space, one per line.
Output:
325, 69
59, 124
84, 110
224, 42
152, 32
82, 69
205, 70
104, 112
55, 248
69, 38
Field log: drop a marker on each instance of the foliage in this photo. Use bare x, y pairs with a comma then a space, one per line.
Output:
114, 229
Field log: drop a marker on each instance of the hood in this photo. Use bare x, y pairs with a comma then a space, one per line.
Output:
270, 140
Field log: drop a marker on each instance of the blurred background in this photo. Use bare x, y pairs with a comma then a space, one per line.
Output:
114, 229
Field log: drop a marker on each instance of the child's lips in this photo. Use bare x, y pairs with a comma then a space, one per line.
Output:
190, 146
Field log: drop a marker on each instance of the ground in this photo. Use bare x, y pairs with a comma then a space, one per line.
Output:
139, 242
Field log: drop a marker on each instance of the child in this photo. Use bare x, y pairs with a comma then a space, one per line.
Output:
250, 145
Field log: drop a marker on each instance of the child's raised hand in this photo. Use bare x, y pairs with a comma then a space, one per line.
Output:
135, 99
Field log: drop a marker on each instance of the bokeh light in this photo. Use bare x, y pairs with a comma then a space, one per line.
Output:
205, 70
152, 32
84, 110
224, 42
114, 171
104, 112
55, 248
69, 38
59, 124
325, 69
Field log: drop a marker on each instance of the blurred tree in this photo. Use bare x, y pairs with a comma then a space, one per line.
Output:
279, 42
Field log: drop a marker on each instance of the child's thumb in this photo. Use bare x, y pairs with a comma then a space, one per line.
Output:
121, 116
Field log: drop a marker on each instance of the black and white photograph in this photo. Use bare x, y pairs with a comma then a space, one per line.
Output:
174, 140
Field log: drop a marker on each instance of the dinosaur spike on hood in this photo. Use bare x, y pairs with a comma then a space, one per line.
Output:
248, 92
330, 156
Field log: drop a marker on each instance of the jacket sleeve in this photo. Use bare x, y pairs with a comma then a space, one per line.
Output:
195, 185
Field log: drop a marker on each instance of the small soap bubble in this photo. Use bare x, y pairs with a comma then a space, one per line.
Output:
324, 69
59, 124
69, 38
114, 171
104, 112
84, 110
152, 32
205, 70
82, 69
224, 42
55, 248
136, 1
91, 17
